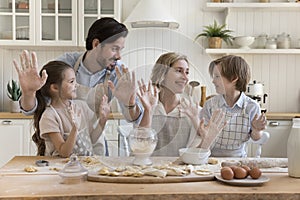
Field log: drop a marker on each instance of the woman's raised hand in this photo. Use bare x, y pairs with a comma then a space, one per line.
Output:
30, 80
148, 96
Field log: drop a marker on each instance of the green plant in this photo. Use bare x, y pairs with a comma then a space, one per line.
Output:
216, 30
14, 90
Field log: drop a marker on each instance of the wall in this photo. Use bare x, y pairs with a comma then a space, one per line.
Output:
279, 73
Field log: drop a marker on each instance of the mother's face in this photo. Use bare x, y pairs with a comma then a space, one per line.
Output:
177, 77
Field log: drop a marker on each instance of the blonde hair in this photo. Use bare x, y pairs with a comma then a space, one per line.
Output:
162, 66
233, 67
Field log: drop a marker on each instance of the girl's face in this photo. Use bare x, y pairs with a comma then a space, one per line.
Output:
177, 77
69, 85
221, 83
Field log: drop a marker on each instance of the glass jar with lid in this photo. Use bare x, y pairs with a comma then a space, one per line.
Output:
271, 43
283, 41
261, 41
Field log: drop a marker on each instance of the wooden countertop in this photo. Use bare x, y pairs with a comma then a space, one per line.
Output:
30, 186
270, 116
9, 115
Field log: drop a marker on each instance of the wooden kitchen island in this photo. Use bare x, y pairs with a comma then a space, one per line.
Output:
49, 186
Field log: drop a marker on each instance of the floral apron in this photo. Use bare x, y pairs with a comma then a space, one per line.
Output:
83, 145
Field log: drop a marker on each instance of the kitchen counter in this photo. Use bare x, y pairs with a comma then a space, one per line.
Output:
9, 115
49, 186
270, 116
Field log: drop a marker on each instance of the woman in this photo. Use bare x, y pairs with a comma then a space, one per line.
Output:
175, 118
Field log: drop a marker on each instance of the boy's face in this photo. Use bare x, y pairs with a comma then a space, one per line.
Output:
221, 83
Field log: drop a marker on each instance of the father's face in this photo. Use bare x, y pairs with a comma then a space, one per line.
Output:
110, 53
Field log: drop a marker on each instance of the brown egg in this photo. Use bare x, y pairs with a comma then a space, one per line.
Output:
233, 167
255, 173
246, 168
240, 173
227, 173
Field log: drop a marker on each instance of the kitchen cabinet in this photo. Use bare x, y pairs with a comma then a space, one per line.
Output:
228, 8
52, 22
15, 139
276, 146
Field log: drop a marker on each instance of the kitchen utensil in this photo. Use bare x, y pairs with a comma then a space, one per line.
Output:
193, 84
194, 156
73, 172
142, 142
203, 95
244, 41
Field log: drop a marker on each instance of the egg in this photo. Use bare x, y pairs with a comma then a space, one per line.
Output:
240, 173
227, 173
255, 173
246, 168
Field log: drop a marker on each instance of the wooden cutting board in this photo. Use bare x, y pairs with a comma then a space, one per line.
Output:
150, 179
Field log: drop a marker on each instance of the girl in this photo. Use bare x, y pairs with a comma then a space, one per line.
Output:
175, 119
231, 74
64, 126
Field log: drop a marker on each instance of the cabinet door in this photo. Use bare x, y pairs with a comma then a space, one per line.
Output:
90, 10
276, 146
15, 139
16, 19
56, 22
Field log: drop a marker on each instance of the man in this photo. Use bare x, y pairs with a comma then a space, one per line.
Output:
96, 68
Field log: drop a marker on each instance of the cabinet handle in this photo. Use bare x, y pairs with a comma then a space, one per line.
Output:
6, 122
274, 123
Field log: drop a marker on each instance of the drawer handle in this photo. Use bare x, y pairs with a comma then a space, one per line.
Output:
6, 122
274, 123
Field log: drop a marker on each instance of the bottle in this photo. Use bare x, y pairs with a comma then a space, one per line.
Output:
293, 149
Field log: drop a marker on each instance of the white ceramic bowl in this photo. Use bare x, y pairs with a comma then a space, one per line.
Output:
244, 41
194, 156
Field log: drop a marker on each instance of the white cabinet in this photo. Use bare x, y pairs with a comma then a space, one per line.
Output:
276, 146
15, 139
52, 22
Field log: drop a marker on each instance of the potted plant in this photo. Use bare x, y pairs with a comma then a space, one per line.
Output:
215, 34
14, 93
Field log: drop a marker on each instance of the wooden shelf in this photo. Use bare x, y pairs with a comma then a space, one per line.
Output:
252, 51
223, 6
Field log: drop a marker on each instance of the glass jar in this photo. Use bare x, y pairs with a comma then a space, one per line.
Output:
283, 41
271, 43
261, 41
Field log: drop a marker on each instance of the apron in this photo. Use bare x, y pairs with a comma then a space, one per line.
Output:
231, 142
93, 96
83, 145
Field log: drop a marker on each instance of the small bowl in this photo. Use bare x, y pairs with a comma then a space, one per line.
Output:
194, 156
244, 41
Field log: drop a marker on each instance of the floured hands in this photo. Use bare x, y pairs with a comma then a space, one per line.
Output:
192, 110
148, 97
259, 122
75, 115
30, 80
214, 127
104, 110
125, 90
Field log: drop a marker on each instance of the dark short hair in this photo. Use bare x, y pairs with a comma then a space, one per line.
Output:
106, 30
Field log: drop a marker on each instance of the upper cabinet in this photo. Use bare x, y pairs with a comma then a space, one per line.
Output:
52, 22
230, 9
17, 20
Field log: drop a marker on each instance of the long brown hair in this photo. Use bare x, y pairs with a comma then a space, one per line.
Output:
55, 71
